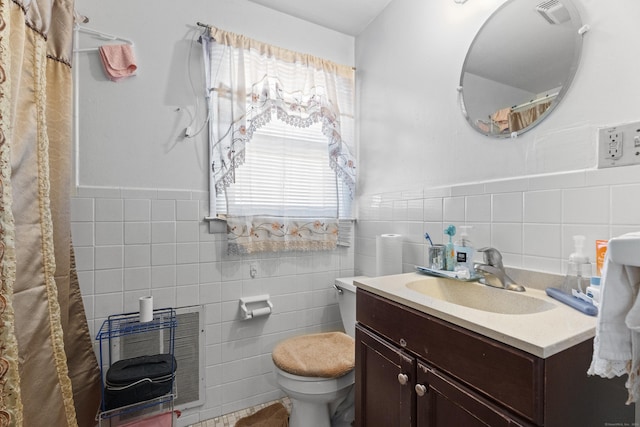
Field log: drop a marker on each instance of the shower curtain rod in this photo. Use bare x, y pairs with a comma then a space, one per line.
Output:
547, 97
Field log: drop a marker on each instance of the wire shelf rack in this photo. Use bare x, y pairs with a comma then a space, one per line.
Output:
109, 338
129, 323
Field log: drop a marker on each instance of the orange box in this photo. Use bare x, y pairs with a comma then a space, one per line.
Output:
601, 252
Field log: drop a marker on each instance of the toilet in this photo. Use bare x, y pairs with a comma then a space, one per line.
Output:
321, 388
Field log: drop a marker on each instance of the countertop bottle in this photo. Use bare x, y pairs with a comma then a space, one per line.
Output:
449, 251
593, 291
464, 249
578, 269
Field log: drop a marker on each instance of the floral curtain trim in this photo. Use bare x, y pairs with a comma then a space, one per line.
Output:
247, 235
247, 95
268, 99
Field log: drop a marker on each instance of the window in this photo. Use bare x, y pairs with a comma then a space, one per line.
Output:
281, 133
286, 173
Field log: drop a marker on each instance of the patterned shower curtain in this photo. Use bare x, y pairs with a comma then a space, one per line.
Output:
48, 370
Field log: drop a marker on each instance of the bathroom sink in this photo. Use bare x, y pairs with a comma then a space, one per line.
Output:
479, 296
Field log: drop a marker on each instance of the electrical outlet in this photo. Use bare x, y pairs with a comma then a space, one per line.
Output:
619, 145
614, 141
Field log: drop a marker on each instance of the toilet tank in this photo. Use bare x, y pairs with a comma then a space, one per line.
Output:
346, 291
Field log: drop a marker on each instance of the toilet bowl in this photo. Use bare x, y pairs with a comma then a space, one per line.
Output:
316, 399
313, 399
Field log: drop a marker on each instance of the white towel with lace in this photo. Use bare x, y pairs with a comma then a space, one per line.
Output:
617, 342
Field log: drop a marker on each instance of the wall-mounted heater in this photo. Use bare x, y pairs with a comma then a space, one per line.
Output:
553, 11
189, 353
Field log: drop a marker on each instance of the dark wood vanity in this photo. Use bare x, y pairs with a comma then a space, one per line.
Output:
413, 369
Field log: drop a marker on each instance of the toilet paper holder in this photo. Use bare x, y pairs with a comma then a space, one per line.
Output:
260, 305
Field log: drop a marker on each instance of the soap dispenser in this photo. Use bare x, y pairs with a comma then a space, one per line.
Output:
464, 248
578, 269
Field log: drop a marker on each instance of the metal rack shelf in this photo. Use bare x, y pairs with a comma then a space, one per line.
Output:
141, 407
110, 337
129, 323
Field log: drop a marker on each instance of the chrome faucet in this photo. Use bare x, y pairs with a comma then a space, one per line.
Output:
493, 272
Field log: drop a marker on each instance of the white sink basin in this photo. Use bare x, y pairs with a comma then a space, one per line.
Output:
479, 296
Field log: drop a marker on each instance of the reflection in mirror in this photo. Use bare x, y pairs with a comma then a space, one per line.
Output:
519, 65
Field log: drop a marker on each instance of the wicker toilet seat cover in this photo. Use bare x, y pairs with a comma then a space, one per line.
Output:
325, 355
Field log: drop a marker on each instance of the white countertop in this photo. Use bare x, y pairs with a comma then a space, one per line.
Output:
542, 334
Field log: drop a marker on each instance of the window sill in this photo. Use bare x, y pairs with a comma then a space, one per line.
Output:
214, 219
218, 224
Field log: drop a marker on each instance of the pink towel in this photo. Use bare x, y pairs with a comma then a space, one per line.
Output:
118, 60
160, 420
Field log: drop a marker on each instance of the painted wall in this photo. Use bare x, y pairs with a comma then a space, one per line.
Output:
131, 132
137, 218
408, 68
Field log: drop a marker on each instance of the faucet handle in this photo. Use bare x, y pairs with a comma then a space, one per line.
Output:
492, 257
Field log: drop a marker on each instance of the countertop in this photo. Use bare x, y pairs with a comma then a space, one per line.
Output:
542, 334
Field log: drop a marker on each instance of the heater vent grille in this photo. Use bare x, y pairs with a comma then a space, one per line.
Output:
188, 351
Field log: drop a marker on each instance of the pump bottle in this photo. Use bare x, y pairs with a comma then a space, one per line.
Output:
578, 269
464, 248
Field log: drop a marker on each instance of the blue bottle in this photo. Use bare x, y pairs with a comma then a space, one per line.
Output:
449, 250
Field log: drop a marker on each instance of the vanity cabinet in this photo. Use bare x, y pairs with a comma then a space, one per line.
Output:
413, 369
386, 375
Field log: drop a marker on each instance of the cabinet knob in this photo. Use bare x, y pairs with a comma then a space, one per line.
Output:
403, 379
403, 342
421, 390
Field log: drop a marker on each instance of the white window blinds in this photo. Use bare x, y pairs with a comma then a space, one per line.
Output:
286, 173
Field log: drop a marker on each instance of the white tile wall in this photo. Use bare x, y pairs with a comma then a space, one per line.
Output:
109, 233
543, 206
478, 208
163, 210
137, 233
507, 207
137, 210
454, 209
108, 257
129, 242
109, 209
628, 198
582, 205
531, 220
82, 210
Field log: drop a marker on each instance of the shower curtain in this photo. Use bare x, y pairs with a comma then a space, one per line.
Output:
48, 370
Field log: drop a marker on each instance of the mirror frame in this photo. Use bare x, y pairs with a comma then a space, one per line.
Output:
577, 25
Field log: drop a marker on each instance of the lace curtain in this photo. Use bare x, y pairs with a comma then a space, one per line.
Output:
249, 84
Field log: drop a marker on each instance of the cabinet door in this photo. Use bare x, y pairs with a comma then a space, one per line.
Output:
499, 372
442, 402
385, 377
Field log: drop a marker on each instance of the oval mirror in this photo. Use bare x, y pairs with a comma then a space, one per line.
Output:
520, 65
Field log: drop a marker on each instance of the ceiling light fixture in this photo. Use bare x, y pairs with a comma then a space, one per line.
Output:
460, 1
